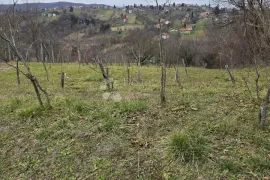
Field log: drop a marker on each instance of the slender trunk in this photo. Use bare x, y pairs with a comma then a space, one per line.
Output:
37, 91
177, 77
139, 73
230, 74
163, 69
163, 84
52, 55
42, 57
128, 75
107, 71
37, 53
58, 56
62, 80
185, 66
79, 55
9, 52
18, 72
106, 79
41, 52
263, 110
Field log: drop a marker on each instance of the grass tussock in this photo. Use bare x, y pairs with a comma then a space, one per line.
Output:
188, 146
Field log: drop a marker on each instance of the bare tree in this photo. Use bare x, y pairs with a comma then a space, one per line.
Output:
139, 45
252, 20
162, 56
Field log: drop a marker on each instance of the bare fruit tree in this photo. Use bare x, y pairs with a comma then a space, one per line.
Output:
162, 56
251, 21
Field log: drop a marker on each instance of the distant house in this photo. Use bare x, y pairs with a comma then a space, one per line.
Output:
50, 14
130, 11
165, 36
184, 31
163, 22
167, 22
157, 26
189, 27
185, 19
187, 30
173, 30
204, 14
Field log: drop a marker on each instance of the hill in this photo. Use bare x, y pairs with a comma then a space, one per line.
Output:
207, 130
48, 5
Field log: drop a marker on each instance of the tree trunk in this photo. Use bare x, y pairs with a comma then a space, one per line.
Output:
263, 110
139, 74
230, 74
107, 71
41, 52
128, 75
163, 69
106, 79
79, 54
163, 84
185, 66
52, 55
37, 91
9, 52
18, 72
177, 78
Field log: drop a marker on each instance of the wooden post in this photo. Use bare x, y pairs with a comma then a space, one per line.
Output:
62, 80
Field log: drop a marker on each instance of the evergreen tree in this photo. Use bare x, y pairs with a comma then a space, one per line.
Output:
216, 10
71, 9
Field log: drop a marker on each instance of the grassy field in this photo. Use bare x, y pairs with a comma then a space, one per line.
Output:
127, 27
208, 129
105, 14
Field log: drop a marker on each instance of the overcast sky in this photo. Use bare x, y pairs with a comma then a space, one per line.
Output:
112, 2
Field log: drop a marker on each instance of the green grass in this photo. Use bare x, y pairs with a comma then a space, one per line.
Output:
208, 129
77, 12
127, 27
105, 14
131, 19
188, 146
